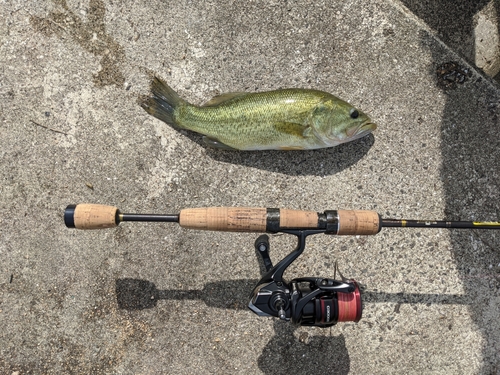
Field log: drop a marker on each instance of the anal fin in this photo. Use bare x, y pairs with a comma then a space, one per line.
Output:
291, 148
211, 142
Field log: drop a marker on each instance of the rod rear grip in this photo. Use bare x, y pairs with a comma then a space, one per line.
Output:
91, 216
231, 219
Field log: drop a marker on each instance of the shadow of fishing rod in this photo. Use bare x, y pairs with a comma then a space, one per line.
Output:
137, 294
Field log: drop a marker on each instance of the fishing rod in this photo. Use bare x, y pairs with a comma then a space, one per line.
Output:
308, 301
246, 219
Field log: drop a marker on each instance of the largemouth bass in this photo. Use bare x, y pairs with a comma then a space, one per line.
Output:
288, 119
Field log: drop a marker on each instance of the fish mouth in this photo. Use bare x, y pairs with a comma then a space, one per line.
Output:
361, 130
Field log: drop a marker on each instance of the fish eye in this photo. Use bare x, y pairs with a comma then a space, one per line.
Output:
354, 113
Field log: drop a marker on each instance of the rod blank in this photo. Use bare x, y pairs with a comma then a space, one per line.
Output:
393, 223
149, 217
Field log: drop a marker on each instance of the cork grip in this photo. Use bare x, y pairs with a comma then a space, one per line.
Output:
94, 216
232, 219
298, 219
358, 222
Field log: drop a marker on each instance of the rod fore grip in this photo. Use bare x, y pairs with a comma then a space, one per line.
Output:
358, 222
91, 216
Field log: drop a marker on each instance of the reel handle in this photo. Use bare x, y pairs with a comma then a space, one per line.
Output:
233, 219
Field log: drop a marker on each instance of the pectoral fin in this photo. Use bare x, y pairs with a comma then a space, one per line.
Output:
294, 129
216, 100
216, 144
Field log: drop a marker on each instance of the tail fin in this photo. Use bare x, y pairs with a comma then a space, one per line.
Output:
163, 102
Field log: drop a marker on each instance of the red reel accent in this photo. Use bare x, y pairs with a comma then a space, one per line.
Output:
350, 307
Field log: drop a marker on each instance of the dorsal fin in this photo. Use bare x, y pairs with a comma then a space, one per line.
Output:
216, 100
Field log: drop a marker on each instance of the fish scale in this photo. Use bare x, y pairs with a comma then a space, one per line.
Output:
281, 119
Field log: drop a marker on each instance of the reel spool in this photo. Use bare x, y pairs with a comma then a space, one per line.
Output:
328, 307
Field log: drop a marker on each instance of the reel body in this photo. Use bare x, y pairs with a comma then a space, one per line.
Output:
307, 301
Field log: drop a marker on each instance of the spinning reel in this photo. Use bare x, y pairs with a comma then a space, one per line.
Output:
308, 301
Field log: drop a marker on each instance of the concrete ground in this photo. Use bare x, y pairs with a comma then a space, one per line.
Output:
71, 131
